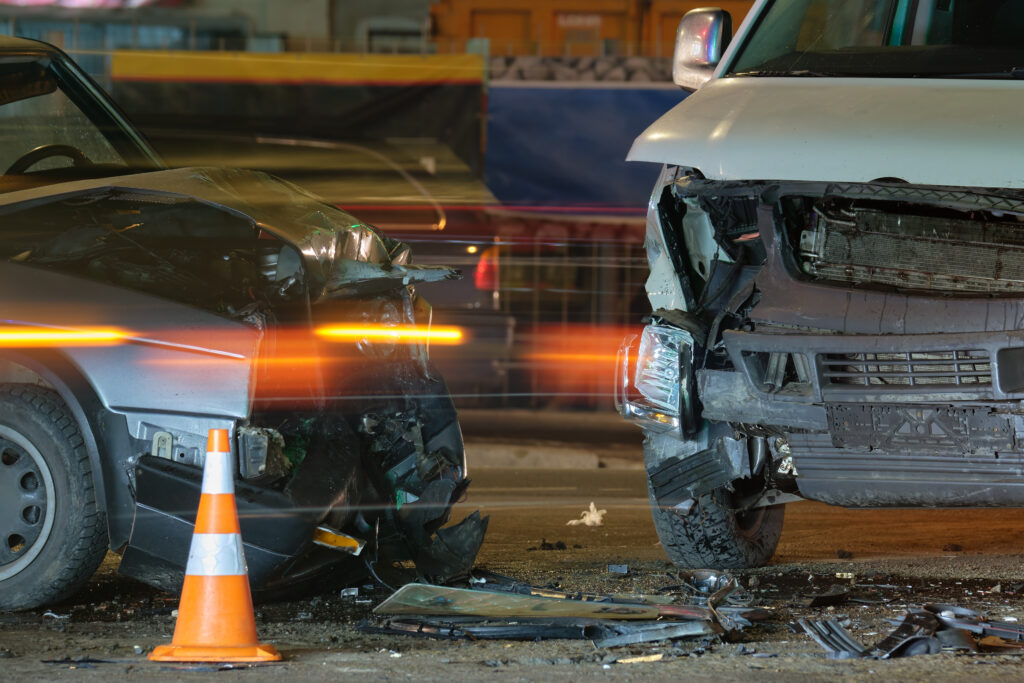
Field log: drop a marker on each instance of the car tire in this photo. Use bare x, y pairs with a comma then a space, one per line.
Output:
711, 535
52, 534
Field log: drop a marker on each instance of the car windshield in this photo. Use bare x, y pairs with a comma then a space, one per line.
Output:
886, 38
54, 124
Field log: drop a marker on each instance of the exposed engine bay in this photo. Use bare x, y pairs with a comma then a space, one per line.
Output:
353, 441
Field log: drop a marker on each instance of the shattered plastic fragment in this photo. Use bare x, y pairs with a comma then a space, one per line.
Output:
591, 517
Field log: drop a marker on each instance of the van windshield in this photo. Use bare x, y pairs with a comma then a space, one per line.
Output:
886, 38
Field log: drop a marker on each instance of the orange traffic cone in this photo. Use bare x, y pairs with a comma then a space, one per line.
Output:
215, 617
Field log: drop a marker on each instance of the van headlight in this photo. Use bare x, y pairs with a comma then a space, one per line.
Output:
661, 393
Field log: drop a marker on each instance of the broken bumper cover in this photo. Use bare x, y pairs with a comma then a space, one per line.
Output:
273, 529
655, 383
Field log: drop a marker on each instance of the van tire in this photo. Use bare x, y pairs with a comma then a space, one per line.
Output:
712, 536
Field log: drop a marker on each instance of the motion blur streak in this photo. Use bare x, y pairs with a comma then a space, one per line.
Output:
32, 337
404, 334
576, 358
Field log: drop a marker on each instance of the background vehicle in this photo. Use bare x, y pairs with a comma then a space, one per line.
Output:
143, 307
836, 273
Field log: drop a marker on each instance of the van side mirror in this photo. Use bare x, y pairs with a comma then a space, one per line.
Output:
701, 39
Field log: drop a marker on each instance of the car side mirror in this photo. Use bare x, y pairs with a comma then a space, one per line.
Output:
701, 39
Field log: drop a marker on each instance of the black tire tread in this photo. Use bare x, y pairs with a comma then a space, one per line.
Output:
87, 546
710, 536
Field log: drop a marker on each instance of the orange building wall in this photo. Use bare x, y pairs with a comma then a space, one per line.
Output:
567, 27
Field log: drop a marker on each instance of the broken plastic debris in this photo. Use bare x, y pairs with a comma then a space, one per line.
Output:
618, 568
845, 575
591, 517
54, 615
349, 592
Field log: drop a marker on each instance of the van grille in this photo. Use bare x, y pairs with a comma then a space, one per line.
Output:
912, 368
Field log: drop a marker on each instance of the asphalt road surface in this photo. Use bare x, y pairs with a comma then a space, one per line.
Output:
899, 558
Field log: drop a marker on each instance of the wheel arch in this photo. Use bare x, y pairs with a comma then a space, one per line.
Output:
53, 369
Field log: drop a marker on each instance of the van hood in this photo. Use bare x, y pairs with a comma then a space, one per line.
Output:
924, 131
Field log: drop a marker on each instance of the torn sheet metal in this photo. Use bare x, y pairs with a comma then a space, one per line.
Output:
615, 635
953, 616
603, 633
429, 600
915, 635
737, 613
477, 629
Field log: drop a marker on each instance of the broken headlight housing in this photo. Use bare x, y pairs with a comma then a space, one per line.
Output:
656, 385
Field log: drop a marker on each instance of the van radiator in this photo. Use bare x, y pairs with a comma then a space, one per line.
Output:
946, 254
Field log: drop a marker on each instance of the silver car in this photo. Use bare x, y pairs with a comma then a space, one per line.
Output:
144, 306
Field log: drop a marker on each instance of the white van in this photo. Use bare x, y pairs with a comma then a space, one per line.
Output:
836, 246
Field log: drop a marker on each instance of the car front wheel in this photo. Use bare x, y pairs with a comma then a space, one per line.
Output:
52, 533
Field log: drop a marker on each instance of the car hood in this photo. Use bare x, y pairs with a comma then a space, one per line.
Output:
924, 131
336, 248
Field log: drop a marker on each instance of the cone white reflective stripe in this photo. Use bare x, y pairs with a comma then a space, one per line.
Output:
217, 473
215, 555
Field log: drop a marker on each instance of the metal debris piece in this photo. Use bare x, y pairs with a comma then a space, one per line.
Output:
914, 635
954, 639
455, 628
835, 639
349, 592
618, 569
617, 634
423, 599
954, 616
589, 517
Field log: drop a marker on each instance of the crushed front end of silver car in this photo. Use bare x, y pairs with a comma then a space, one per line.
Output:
859, 344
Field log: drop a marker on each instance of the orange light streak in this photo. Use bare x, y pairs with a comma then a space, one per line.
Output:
405, 334
33, 337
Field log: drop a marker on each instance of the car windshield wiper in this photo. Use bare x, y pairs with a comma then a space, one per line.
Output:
799, 73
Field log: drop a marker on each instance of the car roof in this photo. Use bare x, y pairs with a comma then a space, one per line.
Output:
16, 45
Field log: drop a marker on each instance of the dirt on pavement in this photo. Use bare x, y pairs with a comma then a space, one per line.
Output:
897, 561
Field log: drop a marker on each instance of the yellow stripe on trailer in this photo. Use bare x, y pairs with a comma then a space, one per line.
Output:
295, 68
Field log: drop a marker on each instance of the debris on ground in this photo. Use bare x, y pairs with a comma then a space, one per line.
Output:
834, 596
621, 569
591, 517
930, 630
499, 607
